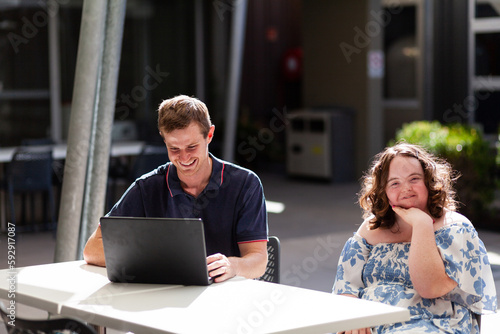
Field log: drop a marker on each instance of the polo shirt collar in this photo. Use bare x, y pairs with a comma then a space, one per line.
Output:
216, 179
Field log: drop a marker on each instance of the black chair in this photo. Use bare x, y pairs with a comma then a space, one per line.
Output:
151, 156
30, 172
37, 142
272, 273
18, 325
57, 166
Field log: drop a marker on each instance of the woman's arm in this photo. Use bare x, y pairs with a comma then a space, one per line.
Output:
426, 266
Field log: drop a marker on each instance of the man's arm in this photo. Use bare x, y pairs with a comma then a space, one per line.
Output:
251, 264
93, 252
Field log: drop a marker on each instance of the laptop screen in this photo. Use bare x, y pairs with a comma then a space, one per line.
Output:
155, 250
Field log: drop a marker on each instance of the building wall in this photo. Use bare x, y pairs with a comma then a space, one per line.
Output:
335, 67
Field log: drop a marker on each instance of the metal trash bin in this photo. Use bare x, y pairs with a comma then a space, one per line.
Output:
320, 144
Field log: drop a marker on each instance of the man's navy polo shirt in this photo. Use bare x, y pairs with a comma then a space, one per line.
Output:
232, 205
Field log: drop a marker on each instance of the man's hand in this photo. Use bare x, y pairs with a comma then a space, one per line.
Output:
220, 268
251, 263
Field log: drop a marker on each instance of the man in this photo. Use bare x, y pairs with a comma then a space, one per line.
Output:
228, 198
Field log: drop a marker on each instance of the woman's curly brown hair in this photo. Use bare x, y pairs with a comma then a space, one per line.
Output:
439, 178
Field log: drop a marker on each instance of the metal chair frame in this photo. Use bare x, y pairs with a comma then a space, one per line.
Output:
272, 273
18, 325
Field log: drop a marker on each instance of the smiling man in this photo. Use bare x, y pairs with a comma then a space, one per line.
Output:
195, 184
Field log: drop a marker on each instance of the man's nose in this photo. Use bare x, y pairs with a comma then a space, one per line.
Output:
183, 156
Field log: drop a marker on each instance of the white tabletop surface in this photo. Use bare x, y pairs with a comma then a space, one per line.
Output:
235, 306
59, 150
48, 287
238, 305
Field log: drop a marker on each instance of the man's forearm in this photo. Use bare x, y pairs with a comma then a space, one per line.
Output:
93, 253
251, 265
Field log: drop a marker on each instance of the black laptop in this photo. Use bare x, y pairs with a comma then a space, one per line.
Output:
155, 250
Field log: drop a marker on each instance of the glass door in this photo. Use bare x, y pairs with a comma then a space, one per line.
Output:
484, 65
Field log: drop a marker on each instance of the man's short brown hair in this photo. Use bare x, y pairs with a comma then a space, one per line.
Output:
180, 111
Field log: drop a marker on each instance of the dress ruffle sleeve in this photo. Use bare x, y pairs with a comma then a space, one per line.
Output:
466, 262
351, 262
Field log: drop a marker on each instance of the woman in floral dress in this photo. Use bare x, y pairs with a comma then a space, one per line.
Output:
414, 250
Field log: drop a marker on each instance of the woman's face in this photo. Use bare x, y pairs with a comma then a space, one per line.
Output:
405, 184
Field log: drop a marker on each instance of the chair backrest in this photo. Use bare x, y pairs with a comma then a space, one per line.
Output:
37, 141
17, 325
30, 169
272, 273
150, 158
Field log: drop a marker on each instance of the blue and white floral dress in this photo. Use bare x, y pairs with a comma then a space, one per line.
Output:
380, 273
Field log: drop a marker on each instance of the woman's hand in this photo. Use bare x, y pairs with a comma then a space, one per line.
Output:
357, 331
427, 270
413, 216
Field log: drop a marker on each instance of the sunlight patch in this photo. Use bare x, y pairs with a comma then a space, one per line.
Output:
494, 258
275, 207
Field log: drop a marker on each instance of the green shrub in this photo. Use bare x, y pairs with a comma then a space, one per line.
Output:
470, 154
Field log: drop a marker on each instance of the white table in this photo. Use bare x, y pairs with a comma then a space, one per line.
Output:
59, 150
48, 287
236, 306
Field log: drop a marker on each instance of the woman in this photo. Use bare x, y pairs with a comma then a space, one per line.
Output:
414, 250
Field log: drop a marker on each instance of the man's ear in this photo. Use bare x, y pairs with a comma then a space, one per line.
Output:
210, 135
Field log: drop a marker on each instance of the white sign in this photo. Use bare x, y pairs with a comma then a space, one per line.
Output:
376, 64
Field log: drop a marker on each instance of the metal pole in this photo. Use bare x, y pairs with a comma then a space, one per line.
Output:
200, 50
55, 74
97, 174
375, 119
233, 85
426, 19
87, 77
471, 60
